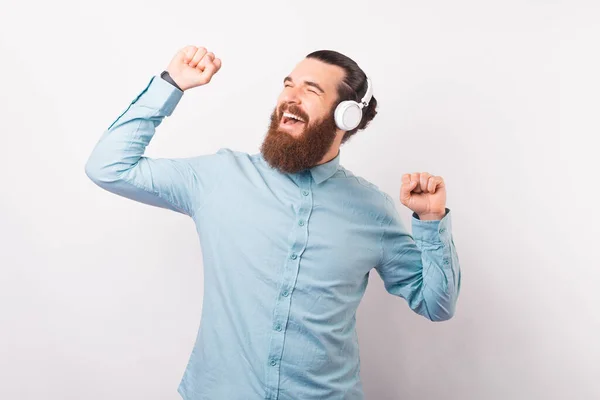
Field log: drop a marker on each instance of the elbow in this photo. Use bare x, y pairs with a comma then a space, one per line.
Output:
96, 172
103, 169
433, 305
441, 317
440, 303
438, 306
101, 173
91, 170
442, 311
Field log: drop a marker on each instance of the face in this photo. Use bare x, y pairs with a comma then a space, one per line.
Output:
302, 127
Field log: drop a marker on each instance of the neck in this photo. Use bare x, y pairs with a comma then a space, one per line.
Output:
329, 156
333, 150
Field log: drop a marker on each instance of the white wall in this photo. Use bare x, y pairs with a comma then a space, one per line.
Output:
100, 296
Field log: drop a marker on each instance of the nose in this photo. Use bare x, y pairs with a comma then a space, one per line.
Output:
291, 95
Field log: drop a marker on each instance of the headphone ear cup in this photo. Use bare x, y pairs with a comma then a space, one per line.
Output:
347, 115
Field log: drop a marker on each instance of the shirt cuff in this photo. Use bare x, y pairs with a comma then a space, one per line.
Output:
159, 95
432, 231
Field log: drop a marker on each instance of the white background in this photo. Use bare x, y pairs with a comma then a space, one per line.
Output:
100, 296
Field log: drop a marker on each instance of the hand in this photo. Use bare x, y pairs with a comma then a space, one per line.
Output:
425, 194
193, 66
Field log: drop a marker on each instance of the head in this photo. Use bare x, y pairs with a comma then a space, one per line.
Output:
311, 92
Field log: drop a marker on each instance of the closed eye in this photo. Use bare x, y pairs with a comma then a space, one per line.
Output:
312, 91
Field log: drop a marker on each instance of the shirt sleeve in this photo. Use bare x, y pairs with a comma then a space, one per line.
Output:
118, 165
422, 268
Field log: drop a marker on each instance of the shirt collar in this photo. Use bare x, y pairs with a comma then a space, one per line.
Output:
326, 170
321, 172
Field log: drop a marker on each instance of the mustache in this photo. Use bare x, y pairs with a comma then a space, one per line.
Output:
294, 109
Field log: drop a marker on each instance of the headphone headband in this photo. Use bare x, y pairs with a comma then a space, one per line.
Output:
367, 97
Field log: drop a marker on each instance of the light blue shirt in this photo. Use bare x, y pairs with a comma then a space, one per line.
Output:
286, 258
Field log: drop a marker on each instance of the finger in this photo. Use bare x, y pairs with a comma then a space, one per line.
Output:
415, 177
209, 71
197, 57
439, 183
206, 61
423, 181
217, 62
188, 53
405, 190
433, 180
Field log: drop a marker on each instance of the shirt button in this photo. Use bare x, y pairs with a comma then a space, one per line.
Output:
278, 327
273, 362
301, 223
294, 256
305, 192
446, 262
285, 293
442, 230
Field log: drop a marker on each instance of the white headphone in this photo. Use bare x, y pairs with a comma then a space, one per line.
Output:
348, 113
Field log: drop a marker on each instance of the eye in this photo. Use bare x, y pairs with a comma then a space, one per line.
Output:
313, 91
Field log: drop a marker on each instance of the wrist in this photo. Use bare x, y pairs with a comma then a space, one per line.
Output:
431, 216
166, 75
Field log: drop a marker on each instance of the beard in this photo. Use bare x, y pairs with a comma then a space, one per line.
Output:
290, 154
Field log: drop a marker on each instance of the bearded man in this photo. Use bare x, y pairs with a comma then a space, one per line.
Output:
288, 235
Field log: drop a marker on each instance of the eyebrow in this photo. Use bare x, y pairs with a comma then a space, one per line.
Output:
308, 83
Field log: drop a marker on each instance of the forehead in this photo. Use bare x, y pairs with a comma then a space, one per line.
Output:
325, 75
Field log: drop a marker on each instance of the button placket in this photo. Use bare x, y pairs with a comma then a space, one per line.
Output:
283, 301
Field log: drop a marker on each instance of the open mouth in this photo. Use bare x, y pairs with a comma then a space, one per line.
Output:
291, 120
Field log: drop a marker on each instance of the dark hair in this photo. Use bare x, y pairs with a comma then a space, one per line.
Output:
352, 87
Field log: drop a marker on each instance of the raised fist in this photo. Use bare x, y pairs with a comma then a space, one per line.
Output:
193, 66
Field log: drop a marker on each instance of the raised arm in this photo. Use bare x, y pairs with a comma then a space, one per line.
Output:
422, 268
117, 163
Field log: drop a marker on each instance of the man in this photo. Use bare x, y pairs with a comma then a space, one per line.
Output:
289, 236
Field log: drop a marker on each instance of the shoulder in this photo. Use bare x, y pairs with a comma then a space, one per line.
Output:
359, 181
219, 160
368, 189
240, 161
235, 156
226, 151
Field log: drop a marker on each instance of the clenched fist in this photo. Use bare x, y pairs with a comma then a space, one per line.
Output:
193, 66
425, 194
